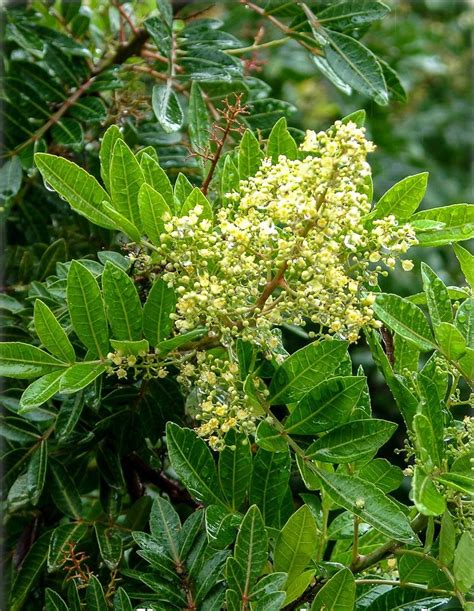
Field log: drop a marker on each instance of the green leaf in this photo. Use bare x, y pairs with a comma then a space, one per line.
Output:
458, 222
55, 253
395, 88
356, 66
403, 198
338, 594
437, 296
157, 178
251, 548
36, 473
68, 132
281, 142
194, 199
271, 472
466, 261
10, 178
328, 404
192, 460
23, 361
365, 500
382, 474
457, 481
121, 223
304, 369
80, 375
29, 572
296, 544
296, 587
428, 500
351, 441
463, 565
130, 348
451, 341
465, 320
122, 303
358, 117
352, 14
154, 212
105, 154
68, 417
161, 303
268, 438
17, 429
181, 340
250, 155
110, 545
235, 468
198, 121
95, 598
79, 188
122, 601
447, 539
221, 526
405, 318
182, 188
406, 355
41, 390
126, 178
87, 310
165, 527
64, 491
51, 334
54, 602
167, 108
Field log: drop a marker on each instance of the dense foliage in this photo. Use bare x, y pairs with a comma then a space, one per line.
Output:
189, 284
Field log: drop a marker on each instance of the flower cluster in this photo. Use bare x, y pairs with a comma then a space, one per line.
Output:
148, 365
295, 244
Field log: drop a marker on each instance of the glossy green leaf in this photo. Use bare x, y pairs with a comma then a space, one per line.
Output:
68, 417
437, 296
157, 178
167, 108
268, 438
403, 198
281, 142
165, 527
428, 444
182, 188
352, 14
63, 490
458, 225
271, 472
404, 318
51, 334
181, 340
160, 304
95, 598
459, 482
250, 155
356, 66
463, 568
365, 500
122, 303
29, 572
447, 539
126, 178
130, 348
221, 526
197, 199
154, 212
338, 594
62, 538
348, 442
406, 355
121, 223
105, 154
54, 602
304, 369
36, 473
428, 500
79, 188
110, 545
451, 341
296, 544
235, 468
23, 361
382, 474
193, 462
251, 548
41, 390
122, 601
87, 310
466, 261
465, 320
328, 404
